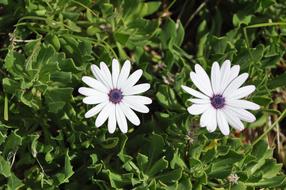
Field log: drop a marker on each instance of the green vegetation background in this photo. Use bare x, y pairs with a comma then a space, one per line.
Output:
46, 46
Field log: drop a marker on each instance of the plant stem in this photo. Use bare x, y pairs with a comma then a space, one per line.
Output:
270, 128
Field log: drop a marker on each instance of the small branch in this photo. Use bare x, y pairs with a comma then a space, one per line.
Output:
195, 13
270, 128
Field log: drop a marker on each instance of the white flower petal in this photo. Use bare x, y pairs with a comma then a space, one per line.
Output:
242, 114
132, 80
87, 91
233, 119
204, 120
201, 80
244, 104
100, 76
93, 83
241, 92
129, 113
212, 120
95, 110
121, 119
199, 101
112, 120
103, 115
106, 74
208, 119
139, 99
115, 72
197, 109
222, 122
234, 71
137, 89
203, 76
124, 73
135, 105
95, 99
225, 75
215, 77
235, 84
194, 92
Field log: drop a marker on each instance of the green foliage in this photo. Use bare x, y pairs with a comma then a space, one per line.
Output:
45, 141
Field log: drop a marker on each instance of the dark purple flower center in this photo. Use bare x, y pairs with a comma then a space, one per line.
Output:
217, 101
115, 96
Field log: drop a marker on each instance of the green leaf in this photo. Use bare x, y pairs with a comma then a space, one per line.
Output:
241, 18
3, 137
270, 168
222, 166
10, 85
177, 161
157, 167
110, 142
117, 180
260, 149
73, 26
14, 183
277, 181
121, 37
5, 168
67, 171
172, 176
61, 77
150, 8
155, 148
4, 2
142, 161
239, 186
56, 98
13, 142
278, 81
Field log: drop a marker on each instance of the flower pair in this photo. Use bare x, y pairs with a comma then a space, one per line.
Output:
115, 95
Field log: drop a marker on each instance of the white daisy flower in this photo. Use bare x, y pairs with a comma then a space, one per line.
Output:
115, 95
219, 101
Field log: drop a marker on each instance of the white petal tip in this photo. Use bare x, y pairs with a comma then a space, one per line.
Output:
225, 134
256, 107
86, 116
97, 124
146, 111
197, 66
183, 87
148, 102
241, 129
102, 64
80, 90
236, 66
84, 78
123, 131
111, 131
191, 111
148, 86
202, 125
252, 120
210, 130
127, 62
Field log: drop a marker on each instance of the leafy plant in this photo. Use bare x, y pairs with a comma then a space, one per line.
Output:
47, 46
